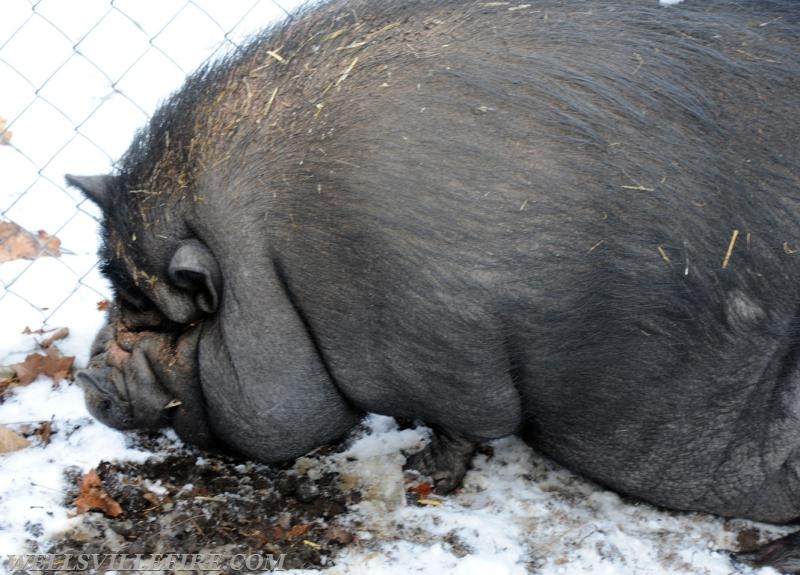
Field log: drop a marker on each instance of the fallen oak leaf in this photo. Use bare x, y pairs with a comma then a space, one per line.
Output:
297, 531
60, 333
423, 490
94, 498
40, 331
277, 533
152, 499
339, 534
49, 245
8, 378
7, 373
11, 440
30, 369
274, 533
17, 243
53, 365
57, 366
44, 432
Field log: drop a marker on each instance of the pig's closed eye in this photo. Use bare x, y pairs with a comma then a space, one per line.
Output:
139, 313
143, 320
130, 298
134, 302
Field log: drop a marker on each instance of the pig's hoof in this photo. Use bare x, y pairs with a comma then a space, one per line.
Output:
445, 460
783, 555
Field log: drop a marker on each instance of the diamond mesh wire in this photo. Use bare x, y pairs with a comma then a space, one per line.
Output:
76, 80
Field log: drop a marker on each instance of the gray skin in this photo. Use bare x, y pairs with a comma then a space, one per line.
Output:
146, 380
581, 226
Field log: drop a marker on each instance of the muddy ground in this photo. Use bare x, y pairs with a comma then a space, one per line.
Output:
351, 506
191, 501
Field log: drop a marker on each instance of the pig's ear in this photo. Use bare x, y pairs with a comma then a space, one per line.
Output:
96, 188
194, 268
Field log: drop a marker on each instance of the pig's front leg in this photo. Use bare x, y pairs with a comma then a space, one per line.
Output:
445, 459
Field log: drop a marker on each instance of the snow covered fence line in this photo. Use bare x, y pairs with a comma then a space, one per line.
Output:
141, 563
75, 85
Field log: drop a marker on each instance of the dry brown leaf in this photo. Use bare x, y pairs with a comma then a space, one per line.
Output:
40, 331
5, 383
423, 490
30, 369
51, 245
297, 531
53, 365
339, 534
11, 441
7, 373
16, 243
277, 533
44, 432
5, 135
94, 498
152, 498
60, 333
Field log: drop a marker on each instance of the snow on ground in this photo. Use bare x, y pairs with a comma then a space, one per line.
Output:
518, 513
31, 480
74, 110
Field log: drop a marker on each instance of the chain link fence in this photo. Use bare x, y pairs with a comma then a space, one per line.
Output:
76, 80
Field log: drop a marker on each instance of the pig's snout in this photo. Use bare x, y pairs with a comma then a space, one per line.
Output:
104, 399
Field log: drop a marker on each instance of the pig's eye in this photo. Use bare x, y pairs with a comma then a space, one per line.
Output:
127, 293
137, 312
129, 298
150, 320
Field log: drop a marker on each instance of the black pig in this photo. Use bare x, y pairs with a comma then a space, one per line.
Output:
578, 221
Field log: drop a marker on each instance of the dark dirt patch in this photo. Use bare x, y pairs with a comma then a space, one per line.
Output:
192, 501
748, 539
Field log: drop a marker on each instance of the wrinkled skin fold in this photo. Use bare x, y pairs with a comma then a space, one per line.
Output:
146, 380
579, 226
